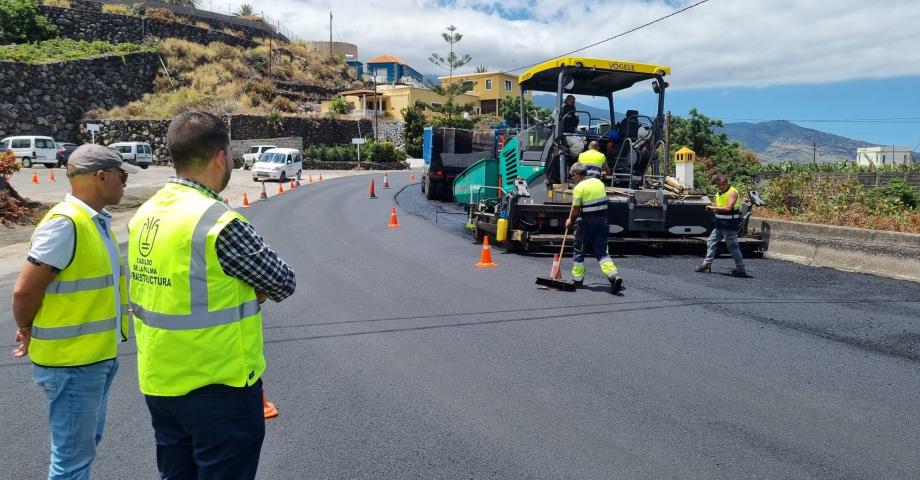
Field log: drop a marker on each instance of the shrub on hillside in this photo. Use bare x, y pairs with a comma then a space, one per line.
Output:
21, 22
60, 49
163, 14
116, 8
57, 3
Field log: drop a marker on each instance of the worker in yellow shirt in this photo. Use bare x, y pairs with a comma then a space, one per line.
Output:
594, 160
589, 201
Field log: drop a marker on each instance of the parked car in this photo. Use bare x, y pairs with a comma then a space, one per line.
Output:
278, 164
32, 149
135, 153
63, 153
252, 155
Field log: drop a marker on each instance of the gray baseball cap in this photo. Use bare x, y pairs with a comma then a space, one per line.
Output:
578, 168
90, 158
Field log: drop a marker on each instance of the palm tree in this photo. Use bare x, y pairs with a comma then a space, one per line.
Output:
245, 10
482, 69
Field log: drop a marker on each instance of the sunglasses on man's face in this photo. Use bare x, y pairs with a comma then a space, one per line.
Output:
123, 174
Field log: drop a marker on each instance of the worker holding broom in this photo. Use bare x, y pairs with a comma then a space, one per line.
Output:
589, 201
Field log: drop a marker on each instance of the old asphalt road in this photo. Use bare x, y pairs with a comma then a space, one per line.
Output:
397, 358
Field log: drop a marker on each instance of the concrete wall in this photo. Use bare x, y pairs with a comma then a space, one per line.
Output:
51, 98
887, 254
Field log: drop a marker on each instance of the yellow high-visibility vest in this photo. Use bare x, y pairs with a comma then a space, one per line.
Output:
195, 325
591, 196
722, 201
593, 161
77, 322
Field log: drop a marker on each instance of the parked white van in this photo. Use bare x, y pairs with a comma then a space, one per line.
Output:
32, 149
135, 153
278, 164
252, 155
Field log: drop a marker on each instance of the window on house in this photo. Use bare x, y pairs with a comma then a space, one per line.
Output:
507, 85
883, 159
436, 104
488, 84
469, 84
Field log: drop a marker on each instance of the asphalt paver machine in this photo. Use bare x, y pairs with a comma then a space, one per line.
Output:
534, 194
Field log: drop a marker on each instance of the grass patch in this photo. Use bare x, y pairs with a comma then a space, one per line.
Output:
57, 3
226, 79
61, 49
116, 8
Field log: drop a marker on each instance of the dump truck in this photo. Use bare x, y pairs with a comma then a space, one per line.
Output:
527, 184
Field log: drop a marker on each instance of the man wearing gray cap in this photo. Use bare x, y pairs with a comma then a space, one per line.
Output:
70, 304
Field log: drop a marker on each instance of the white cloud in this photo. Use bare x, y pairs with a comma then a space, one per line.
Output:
721, 43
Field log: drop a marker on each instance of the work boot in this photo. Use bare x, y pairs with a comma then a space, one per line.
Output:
740, 273
616, 284
704, 268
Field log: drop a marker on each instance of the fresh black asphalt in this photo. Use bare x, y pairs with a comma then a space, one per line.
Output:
397, 358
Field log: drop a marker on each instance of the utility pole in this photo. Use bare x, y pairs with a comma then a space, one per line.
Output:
814, 152
270, 35
375, 106
330, 33
667, 144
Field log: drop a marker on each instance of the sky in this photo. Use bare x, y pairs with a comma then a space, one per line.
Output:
852, 65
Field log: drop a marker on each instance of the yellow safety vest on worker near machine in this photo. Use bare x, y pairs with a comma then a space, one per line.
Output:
593, 161
195, 325
591, 196
722, 201
77, 322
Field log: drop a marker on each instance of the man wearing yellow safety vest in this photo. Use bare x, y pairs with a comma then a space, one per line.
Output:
594, 160
589, 202
199, 273
727, 221
70, 304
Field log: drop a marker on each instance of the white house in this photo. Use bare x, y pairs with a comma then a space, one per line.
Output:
876, 156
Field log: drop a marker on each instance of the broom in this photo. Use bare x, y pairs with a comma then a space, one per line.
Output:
558, 283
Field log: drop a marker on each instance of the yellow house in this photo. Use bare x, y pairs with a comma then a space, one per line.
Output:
389, 100
490, 88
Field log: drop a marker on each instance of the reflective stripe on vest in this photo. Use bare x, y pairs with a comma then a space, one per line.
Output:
595, 205
81, 285
200, 316
73, 331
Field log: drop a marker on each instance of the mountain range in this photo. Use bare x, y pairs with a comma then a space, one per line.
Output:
773, 141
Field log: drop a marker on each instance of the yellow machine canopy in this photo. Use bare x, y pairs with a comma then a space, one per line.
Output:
593, 76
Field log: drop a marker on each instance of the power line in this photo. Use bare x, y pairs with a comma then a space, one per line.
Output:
613, 37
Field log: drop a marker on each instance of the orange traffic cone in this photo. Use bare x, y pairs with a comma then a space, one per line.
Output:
371, 194
394, 222
292, 185
35, 178
245, 200
485, 259
386, 181
310, 178
555, 272
280, 189
411, 178
51, 177
321, 178
268, 408
263, 195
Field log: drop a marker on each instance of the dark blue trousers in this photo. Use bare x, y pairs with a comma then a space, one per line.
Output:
214, 432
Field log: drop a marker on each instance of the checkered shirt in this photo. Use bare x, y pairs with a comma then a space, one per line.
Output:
243, 254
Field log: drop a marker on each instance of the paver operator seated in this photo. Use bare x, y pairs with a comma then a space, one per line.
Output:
589, 201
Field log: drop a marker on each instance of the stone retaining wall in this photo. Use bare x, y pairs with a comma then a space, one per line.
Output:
392, 132
51, 98
95, 25
883, 253
311, 131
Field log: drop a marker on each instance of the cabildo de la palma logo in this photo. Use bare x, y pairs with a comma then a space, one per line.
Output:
149, 235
